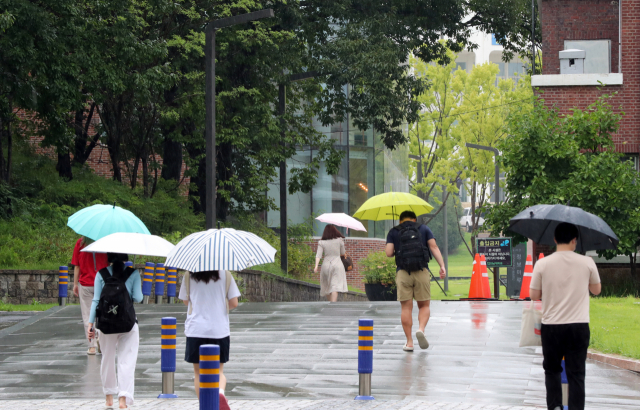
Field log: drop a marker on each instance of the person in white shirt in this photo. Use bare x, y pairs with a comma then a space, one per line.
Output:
563, 281
209, 300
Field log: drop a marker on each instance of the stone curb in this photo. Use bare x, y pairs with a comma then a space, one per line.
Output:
615, 360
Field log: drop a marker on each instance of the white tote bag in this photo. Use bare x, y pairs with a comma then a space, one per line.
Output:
531, 324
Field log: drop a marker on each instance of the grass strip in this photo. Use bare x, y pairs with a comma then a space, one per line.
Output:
615, 325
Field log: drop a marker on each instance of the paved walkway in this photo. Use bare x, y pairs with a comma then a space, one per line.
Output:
256, 405
308, 351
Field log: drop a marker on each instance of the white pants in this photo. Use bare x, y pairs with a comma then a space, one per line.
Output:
127, 346
85, 294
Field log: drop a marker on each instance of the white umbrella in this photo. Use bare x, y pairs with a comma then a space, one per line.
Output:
341, 219
131, 243
220, 249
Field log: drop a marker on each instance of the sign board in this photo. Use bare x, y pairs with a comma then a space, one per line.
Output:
497, 251
515, 273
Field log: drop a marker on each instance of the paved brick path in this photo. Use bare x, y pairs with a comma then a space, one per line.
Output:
297, 351
256, 405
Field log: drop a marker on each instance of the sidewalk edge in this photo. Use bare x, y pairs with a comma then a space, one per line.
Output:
33, 319
615, 360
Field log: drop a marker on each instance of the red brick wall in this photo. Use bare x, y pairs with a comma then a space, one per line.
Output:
593, 19
357, 248
577, 20
99, 160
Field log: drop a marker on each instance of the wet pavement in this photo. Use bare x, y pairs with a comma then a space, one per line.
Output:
8, 319
308, 351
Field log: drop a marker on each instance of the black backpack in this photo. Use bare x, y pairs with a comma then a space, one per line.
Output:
115, 312
412, 255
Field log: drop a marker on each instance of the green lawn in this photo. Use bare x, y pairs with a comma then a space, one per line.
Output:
38, 307
460, 261
615, 325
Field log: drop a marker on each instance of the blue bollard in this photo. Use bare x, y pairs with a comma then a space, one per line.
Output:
209, 377
63, 285
565, 387
159, 282
168, 357
172, 279
365, 358
128, 264
147, 281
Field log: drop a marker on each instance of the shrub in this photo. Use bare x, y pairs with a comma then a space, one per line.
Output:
378, 268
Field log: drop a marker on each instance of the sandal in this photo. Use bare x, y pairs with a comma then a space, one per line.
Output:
224, 404
90, 353
422, 340
407, 348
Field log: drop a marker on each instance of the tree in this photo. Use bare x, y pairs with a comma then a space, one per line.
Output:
462, 108
553, 159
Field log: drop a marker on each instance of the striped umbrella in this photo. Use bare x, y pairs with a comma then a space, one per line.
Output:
220, 249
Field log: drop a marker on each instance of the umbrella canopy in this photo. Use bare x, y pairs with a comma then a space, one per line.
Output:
132, 243
539, 222
218, 249
342, 219
98, 221
390, 205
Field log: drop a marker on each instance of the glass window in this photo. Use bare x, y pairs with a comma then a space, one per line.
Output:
330, 194
461, 66
298, 204
361, 184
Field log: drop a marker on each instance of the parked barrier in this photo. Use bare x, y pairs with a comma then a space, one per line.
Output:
209, 377
147, 281
172, 280
63, 285
168, 357
159, 282
365, 358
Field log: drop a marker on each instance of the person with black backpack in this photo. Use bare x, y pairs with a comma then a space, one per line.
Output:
412, 244
116, 288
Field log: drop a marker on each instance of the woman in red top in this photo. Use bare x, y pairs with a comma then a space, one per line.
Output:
84, 275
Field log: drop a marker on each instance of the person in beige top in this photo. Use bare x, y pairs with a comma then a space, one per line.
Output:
563, 281
333, 278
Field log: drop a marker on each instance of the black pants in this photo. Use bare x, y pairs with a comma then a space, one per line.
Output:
571, 342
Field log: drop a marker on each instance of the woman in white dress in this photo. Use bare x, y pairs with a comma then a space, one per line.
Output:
333, 278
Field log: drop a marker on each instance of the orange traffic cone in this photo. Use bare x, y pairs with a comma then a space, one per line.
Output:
526, 278
541, 256
486, 287
475, 290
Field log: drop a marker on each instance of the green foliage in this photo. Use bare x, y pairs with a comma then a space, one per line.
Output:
461, 108
551, 159
300, 255
435, 223
378, 268
7, 307
615, 326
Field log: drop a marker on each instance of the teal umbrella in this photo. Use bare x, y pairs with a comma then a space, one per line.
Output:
98, 221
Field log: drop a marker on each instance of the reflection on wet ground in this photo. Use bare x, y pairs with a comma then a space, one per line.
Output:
309, 350
8, 319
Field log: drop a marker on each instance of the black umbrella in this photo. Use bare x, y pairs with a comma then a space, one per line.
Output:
539, 222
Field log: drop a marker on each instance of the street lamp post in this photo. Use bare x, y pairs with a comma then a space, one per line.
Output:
282, 107
210, 101
496, 153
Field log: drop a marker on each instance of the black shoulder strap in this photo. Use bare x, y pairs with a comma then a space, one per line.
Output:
127, 272
104, 272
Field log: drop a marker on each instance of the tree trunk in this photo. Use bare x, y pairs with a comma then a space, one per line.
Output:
134, 173
81, 129
64, 166
145, 175
224, 173
172, 160
1, 150
473, 216
7, 174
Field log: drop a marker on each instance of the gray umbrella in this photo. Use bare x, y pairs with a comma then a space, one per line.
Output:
539, 222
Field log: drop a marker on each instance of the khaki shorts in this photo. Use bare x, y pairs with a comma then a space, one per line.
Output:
415, 286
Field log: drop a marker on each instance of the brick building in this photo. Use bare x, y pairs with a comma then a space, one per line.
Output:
594, 26
608, 31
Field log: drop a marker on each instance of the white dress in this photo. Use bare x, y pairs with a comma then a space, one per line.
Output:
333, 278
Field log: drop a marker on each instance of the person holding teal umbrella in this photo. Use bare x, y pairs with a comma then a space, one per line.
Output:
93, 223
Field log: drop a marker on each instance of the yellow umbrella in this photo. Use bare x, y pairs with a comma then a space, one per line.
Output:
390, 205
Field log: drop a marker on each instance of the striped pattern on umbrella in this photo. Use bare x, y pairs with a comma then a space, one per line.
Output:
220, 249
